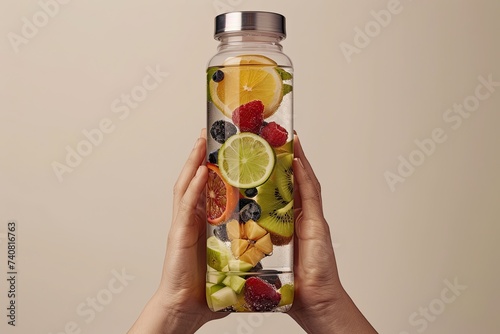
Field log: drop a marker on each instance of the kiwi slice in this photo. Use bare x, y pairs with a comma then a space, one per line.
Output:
279, 223
283, 176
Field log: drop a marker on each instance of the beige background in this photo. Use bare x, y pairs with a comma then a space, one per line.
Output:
394, 249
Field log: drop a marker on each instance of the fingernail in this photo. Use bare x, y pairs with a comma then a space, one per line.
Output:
198, 171
196, 142
300, 162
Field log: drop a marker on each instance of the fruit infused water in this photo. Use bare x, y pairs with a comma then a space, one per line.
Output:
249, 193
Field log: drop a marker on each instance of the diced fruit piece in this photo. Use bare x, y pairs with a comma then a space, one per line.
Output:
239, 246
237, 283
233, 229
243, 84
227, 281
238, 265
275, 134
246, 160
245, 244
264, 244
241, 305
217, 253
251, 192
260, 295
249, 117
223, 298
218, 76
254, 231
252, 256
210, 289
287, 292
248, 209
221, 130
215, 277
222, 198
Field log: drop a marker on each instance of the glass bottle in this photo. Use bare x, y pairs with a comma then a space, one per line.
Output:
249, 196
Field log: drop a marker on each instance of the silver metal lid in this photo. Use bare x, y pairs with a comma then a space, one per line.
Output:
248, 21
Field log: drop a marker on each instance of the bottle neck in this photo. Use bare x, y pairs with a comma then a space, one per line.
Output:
248, 40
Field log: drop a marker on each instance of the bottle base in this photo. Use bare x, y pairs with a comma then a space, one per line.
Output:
267, 291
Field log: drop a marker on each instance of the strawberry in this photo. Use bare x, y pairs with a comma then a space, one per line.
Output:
260, 295
275, 134
249, 117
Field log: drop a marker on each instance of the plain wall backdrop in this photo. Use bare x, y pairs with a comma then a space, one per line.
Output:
393, 106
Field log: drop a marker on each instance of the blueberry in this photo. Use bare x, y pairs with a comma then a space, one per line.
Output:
218, 76
249, 209
272, 279
251, 192
213, 156
258, 267
221, 130
220, 233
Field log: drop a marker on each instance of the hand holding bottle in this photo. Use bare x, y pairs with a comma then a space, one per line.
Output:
321, 304
179, 305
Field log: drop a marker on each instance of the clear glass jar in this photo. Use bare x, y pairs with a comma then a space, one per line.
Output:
250, 221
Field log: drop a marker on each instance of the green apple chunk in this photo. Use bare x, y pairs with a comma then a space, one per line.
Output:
210, 289
215, 277
237, 283
218, 254
239, 265
287, 292
223, 298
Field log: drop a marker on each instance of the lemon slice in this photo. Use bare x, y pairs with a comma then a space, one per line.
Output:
246, 83
249, 60
246, 160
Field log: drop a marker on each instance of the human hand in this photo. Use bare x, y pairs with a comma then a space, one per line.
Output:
321, 304
179, 304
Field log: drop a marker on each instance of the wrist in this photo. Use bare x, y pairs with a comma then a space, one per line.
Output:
338, 315
163, 316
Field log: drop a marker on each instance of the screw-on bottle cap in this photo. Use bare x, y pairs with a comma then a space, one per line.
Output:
250, 21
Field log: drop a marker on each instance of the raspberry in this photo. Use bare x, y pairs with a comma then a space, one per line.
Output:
249, 117
260, 295
275, 134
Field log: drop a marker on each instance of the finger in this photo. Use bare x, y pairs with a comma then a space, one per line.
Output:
194, 160
185, 217
299, 153
310, 194
203, 133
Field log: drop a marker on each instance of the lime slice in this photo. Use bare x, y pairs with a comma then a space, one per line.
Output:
246, 83
246, 160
